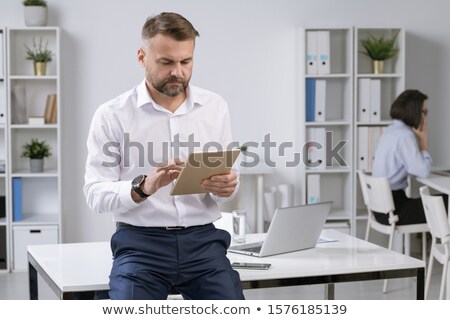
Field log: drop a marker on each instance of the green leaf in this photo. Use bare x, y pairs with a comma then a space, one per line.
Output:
380, 48
39, 52
36, 149
34, 3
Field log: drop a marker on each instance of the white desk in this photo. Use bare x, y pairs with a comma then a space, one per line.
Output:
84, 267
441, 184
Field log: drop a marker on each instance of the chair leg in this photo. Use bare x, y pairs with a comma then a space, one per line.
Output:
407, 244
443, 280
367, 230
428, 280
424, 248
391, 238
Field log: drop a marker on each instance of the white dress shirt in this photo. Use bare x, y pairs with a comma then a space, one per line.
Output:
398, 155
131, 134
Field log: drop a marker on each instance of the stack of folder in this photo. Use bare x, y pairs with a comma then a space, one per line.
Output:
316, 100
316, 148
368, 138
317, 52
369, 100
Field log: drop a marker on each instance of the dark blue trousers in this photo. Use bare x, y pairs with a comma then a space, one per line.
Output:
149, 263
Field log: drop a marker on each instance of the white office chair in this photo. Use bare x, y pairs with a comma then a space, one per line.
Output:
440, 229
377, 196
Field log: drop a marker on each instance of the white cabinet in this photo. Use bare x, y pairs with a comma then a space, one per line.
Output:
33, 200
326, 119
335, 114
23, 236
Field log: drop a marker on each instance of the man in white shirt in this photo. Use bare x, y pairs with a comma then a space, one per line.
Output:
163, 243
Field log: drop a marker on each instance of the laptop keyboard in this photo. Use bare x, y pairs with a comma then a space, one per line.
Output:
253, 249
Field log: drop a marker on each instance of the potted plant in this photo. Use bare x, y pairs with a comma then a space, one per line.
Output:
36, 150
380, 49
35, 12
40, 55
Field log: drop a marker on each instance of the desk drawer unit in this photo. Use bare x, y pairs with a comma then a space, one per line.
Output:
23, 236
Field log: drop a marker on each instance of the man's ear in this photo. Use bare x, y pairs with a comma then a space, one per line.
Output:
140, 56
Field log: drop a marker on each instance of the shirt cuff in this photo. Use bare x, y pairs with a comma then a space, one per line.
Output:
226, 199
125, 195
426, 154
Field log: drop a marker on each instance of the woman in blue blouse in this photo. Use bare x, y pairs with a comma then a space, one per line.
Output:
402, 151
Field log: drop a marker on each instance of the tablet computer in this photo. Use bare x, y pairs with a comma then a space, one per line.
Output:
200, 166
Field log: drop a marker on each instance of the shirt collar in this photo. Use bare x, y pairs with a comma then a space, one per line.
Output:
144, 98
399, 123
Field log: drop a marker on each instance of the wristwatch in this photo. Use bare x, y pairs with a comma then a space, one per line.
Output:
136, 186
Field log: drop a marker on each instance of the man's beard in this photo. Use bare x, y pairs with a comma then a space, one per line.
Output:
171, 90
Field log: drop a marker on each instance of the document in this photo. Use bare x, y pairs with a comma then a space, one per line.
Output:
2, 101
364, 100
311, 52
17, 199
313, 188
363, 147
375, 100
321, 97
316, 139
323, 52
310, 100
373, 139
2, 69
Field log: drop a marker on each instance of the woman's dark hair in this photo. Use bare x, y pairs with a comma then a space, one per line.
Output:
408, 107
170, 24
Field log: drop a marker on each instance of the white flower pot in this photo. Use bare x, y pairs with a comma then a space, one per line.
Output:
35, 16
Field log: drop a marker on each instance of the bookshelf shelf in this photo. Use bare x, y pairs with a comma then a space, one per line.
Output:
328, 124
34, 78
324, 76
34, 126
30, 219
384, 75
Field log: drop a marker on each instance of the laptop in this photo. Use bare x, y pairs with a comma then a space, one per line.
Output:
292, 229
445, 173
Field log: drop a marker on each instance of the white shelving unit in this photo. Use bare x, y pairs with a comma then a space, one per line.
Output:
41, 192
4, 243
342, 120
328, 181
392, 83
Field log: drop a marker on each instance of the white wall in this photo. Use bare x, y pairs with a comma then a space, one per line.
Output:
246, 52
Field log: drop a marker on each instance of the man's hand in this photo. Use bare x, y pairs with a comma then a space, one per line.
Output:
222, 185
159, 177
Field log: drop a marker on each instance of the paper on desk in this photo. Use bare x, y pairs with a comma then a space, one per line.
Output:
325, 240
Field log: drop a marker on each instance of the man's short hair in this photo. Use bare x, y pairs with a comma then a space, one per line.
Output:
170, 24
408, 107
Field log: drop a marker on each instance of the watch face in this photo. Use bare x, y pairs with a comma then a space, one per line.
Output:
137, 181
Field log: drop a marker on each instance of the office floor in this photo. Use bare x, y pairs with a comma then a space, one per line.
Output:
15, 286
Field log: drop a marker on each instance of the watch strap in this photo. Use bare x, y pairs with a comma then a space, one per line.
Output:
139, 191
